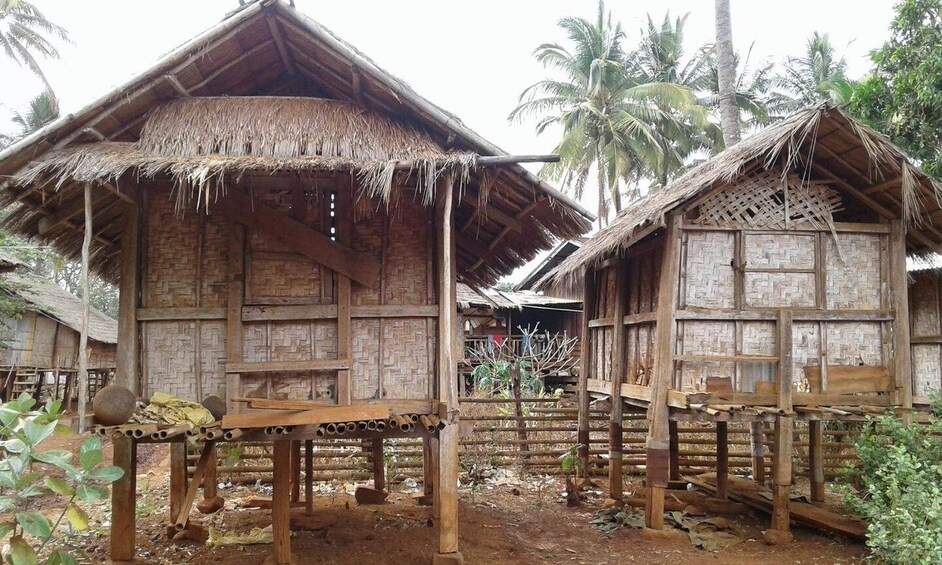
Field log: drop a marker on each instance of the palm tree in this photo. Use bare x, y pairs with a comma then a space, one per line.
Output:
726, 74
757, 93
818, 75
22, 31
682, 124
604, 113
43, 109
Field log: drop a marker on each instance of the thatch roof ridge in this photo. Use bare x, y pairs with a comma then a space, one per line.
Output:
54, 301
780, 141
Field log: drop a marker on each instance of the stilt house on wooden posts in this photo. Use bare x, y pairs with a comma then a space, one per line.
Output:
768, 284
285, 220
40, 348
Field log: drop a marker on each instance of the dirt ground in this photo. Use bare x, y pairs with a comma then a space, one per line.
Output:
503, 521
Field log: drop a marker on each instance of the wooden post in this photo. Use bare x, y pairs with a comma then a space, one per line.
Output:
236, 272
616, 418
177, 478
309, 477
816, 459
722, 461
523, 449
757, 446
83, 335
674, 448
295, 470
127, 373
281, 503
658, 441
446, 494
902, 352
124, 500
344, 297
379, 464
784, 426
588, 308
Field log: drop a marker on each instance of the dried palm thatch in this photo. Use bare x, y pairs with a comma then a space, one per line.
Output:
198, 142
796, 145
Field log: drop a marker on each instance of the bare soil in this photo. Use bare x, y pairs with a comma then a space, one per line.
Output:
503, 521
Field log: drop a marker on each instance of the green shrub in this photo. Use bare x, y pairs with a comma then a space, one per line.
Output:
27, 473
897, 487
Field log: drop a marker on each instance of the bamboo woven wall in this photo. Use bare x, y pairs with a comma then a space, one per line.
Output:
38, 341
925, 301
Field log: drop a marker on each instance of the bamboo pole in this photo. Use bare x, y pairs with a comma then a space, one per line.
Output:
83, 335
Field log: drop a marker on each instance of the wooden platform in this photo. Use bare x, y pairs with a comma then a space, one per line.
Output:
747, 492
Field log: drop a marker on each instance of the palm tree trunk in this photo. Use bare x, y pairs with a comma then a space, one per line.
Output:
726, 69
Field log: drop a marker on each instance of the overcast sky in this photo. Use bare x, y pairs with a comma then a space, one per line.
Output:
471, 58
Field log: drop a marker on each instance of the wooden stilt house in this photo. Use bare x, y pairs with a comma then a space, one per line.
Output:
286, 221
768, 284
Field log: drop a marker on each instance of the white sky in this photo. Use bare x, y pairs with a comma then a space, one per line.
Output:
471, 58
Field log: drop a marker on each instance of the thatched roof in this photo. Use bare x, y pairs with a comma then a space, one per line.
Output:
560, 253
159, 124
819, 143
53, 301
510, 300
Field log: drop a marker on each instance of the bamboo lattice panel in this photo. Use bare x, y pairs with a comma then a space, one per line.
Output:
364, 367
854, 283
171, 254
927, 369
762, 200
214, 259
779, 251
170, 359
806, 348
924, 304
705, 338
368, 239
212, 358
100, 356
406, 268
405, 370
854, 343
710, 278
779, 290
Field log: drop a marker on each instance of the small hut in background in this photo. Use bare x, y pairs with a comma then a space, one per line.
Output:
40, 349
524, 319
562, 251
287, 223
768, 284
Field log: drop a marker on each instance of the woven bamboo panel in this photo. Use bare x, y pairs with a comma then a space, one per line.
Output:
927, 369
762, 200
775, 290
405, 371
854, 343
758, 338
854, 282
255, 342
364, 365
101, 355
170, 359
292, 386
806, 348
213, 358
924, 304
368, 239
709, 274
290, 341
214, 259
778, 251
406, 260
67, 345
44, 336
705, 338
170, 255
325, 339
273, 277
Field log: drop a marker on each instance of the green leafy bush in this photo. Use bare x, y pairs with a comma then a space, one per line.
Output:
27, 473
897, 487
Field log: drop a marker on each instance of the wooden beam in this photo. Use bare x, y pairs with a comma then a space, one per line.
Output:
344, 215
302, 239
446, 487
288, 366
665, 337
619, 368
313, 416
281, 503
180, 313
127, 356
235, 276
279, 38
492, 212
237, 61
902, 350
124, 500
86, 310
175, 83
816, 460
784, 426
329, 311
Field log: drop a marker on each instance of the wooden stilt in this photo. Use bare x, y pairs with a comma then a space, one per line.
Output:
784, 427
309, 477
177, 478
379, 465
83, 334
615, 447
658, 441
585, 372
210, 486
124, 500
295, 470
447, 487
127, 357
281, 502
722, 461
674, 448
757, 446
816, 459
899, 286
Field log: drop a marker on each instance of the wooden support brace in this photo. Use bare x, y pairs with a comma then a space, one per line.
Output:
619, 369
816, 459
124, 500
208, 452
280, 503
309, 477
379, 464
722, 461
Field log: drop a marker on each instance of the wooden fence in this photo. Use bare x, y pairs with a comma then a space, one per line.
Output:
536, 442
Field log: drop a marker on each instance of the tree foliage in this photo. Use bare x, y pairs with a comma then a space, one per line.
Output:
903, 97
819, 74
25, 35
